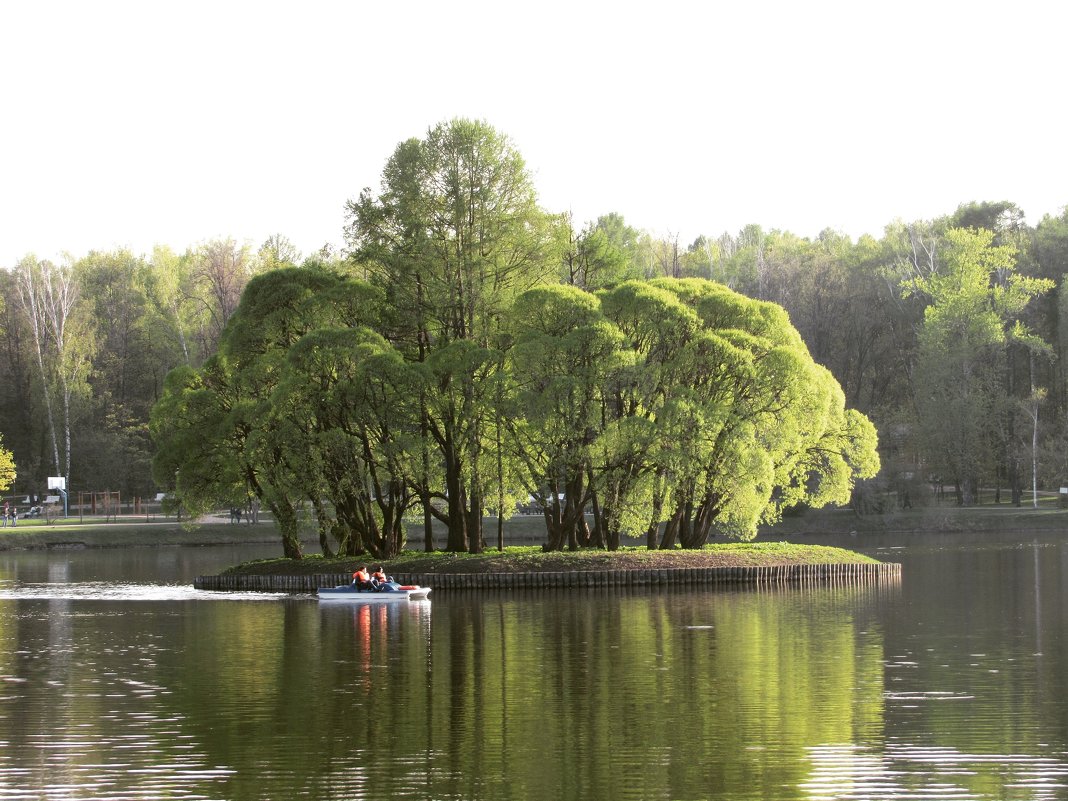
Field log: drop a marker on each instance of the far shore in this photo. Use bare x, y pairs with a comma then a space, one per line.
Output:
157, 530
129, 532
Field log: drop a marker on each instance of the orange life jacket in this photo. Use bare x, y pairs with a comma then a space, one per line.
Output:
361, 575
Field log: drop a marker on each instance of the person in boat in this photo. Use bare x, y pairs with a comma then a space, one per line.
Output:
361, 579
383, 583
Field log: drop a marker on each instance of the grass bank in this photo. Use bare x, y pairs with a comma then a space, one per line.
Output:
531, 559
133, 531
36, 535
935, 518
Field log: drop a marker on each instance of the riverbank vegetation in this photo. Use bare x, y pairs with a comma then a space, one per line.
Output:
471, 351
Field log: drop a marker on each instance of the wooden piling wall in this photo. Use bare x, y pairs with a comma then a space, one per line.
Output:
836, 574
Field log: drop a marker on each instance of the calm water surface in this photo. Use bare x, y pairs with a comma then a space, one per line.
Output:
118, 681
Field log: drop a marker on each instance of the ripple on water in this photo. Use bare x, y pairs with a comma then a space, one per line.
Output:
142, 765
119, 591
901, 771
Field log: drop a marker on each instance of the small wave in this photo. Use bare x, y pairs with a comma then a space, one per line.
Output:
118, 591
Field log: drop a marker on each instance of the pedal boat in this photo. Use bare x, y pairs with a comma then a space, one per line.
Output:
388, 593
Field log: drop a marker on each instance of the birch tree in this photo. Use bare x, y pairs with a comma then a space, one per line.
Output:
29, 277
63, 344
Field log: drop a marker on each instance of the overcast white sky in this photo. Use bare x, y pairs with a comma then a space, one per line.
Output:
137, 123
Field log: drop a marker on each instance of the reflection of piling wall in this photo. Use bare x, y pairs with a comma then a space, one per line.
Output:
697, 576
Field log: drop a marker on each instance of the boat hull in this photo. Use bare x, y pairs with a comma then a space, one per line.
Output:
347, 592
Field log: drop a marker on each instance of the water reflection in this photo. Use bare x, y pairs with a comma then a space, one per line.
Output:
640, 695
903, 771
949, 685
120, 591
81, 714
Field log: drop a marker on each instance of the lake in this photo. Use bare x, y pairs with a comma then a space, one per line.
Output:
119, 681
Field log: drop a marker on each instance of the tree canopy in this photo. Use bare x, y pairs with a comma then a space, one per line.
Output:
471, 352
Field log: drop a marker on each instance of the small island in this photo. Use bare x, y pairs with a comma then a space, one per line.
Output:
520, 567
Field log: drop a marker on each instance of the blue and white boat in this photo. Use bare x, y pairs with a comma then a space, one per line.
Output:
390, 591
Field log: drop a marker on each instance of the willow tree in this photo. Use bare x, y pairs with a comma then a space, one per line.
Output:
633, 451
775, 430
563, 350
452, 236
355, 400
219, 436
723, 420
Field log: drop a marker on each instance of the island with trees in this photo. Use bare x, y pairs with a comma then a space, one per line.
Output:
469, 354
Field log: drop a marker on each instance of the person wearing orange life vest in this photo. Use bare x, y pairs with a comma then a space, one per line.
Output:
361, 579
383, 583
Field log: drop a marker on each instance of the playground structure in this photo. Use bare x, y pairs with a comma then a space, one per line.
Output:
109, 505
106, 503
98, 506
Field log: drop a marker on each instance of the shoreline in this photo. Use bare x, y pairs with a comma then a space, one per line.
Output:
810, 526
838, 574
135, 533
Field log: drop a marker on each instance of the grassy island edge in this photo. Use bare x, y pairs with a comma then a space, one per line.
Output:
532, 559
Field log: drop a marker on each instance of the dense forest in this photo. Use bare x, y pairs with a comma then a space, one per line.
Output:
945, 333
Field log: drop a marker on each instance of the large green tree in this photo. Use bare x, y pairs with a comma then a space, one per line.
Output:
453, 235
675, 402
976, 299
751, 425
219, 433
563, 351
353, 400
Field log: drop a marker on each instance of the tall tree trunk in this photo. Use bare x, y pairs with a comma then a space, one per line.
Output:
651, 533
289, 526
325, 525
60, 295
599, 539
424, 428
500, 478
454, 488
671, 531
29, 294
181, 332
553, 520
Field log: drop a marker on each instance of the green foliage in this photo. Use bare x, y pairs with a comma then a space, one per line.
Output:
441, 369
221, 436
976, 301
454, 235
602, 255
677, 402
8, 474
